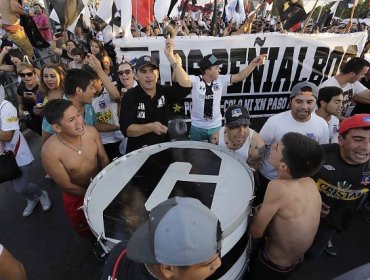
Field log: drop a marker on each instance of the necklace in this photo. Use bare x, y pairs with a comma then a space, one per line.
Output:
79, 151
151, 273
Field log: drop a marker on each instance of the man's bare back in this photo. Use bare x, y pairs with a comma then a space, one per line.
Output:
70, 170
291, 212
7, 13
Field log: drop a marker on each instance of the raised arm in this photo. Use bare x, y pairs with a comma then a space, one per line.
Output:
95, 64
54, 48
179, 75
16, 7
243, 74
5, 67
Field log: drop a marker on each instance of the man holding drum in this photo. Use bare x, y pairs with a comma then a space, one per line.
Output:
289, 216
72, 157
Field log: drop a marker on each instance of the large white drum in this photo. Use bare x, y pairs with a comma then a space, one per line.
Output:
121, 195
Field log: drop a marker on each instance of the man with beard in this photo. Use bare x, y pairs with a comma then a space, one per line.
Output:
298, 119
237, 136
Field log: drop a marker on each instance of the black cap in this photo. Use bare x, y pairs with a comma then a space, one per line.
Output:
208, 61
144, 61
237, 115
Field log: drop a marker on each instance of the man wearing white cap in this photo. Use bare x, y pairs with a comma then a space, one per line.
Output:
180, 240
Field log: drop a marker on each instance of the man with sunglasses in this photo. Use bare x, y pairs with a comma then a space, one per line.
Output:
237, 136
145, 109
180, 240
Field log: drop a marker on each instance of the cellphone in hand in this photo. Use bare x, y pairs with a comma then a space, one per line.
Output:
58, 35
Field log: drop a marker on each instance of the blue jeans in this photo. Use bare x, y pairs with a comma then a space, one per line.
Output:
23, 186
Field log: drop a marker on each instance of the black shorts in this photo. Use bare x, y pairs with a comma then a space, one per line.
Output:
262, 268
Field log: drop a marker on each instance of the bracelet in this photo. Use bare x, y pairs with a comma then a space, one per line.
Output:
174, 65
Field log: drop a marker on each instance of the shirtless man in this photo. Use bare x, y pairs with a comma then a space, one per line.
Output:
71, 157
289, 216
10, 12
238, 137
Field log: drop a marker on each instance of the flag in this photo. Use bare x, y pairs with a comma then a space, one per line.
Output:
291, 13
126, 14
352, 3
143, 11
105, 10
161, 9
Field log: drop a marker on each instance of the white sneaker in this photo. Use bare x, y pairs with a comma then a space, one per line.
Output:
45, 201
31, 204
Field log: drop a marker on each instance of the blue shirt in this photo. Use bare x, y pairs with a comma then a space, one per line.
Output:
89, 119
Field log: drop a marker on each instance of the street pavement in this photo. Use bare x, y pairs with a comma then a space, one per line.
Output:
50, 250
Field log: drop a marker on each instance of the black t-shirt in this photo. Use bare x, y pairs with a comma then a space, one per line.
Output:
137, 107
127, 269
342, 187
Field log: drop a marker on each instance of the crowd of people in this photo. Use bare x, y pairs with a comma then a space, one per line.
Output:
310, 163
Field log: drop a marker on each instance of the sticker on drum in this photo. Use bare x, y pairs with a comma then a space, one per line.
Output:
120, 197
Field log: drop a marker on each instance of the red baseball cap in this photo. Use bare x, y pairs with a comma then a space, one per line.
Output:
356, 121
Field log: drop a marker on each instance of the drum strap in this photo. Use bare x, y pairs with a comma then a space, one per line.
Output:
116, 264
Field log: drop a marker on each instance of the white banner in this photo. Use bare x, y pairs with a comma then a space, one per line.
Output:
292, 58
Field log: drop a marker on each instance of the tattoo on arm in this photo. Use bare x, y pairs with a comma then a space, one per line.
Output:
256, 156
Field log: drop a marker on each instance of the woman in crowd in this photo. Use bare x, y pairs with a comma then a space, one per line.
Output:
28, 95
96, 47
125, 77
64, 54
52, 81
107, 65
78, 59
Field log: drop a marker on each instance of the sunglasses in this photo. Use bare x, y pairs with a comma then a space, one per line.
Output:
28, 74
127, 72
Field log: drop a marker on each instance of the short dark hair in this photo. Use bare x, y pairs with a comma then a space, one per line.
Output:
303, 155
78, 51
355, 65
327, 93
93, 74
76, 78
54, 110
